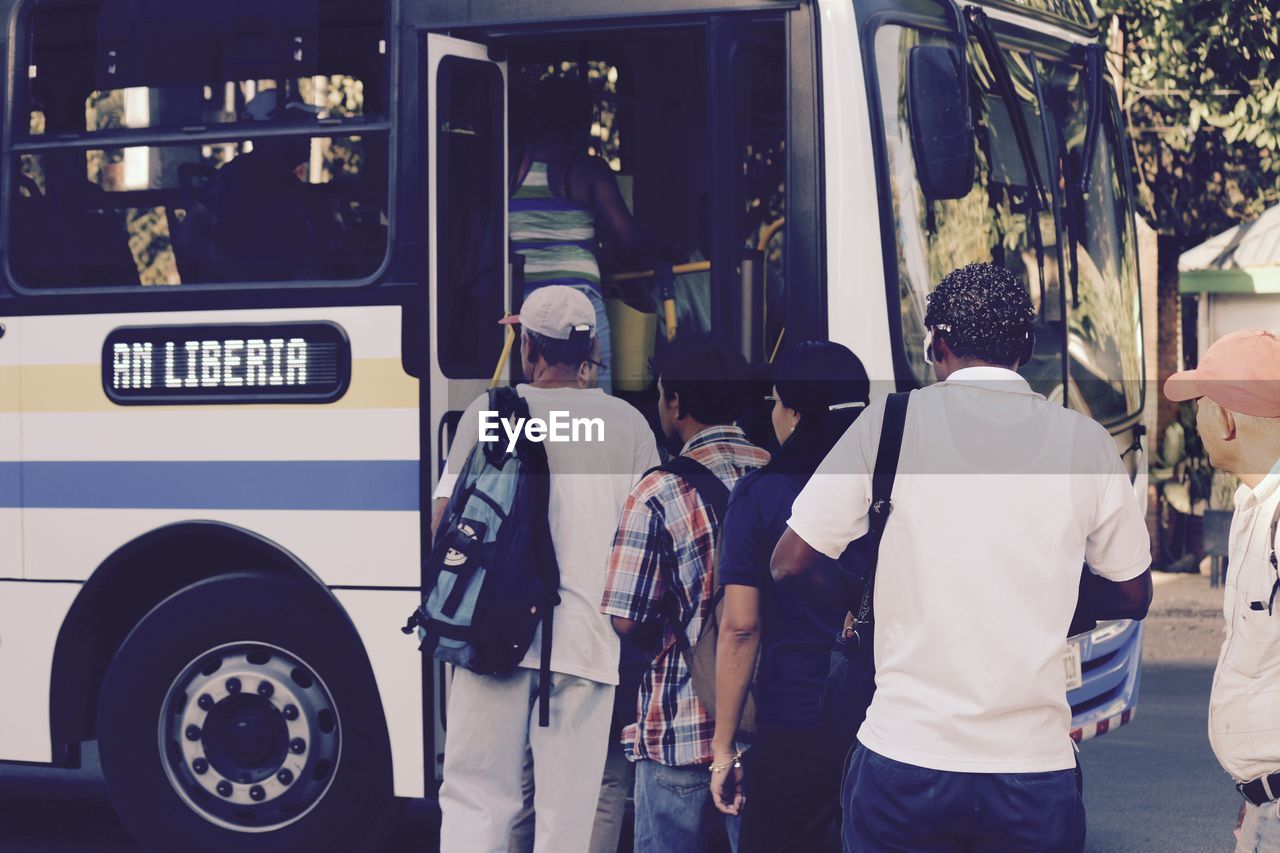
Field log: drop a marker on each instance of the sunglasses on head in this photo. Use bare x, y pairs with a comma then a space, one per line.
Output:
834, 407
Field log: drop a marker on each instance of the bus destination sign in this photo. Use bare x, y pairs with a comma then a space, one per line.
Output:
242, 363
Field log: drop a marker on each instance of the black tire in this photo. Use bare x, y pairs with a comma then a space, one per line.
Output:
260, 630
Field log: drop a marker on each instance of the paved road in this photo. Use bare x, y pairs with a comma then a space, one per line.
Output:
1154, 785
1151, 786
67, 811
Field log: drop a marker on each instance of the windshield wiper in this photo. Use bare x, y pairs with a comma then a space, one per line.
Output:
987, 41
1093, 86
962, 51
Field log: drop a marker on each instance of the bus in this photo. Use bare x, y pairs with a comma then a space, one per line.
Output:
253, 256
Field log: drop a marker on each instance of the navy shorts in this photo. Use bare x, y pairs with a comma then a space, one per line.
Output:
891, 806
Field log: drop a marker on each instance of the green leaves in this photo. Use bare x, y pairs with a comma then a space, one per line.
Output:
1202, 95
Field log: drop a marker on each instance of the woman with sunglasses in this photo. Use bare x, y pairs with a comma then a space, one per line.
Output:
791, 774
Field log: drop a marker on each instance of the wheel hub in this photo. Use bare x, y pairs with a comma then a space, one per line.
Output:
246, 738
250, 736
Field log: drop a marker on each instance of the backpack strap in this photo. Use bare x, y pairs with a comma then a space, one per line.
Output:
712, 491
887, 454
710, 488
508, 403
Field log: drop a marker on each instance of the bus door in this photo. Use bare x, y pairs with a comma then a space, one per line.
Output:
10, 446
466, 100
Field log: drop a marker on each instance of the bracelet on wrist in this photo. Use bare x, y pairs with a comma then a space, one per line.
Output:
734, 762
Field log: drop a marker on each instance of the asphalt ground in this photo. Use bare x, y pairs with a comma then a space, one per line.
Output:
1152, 785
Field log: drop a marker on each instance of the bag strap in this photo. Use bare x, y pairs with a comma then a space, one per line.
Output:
715, 494
887, 454
710, 488
508, 403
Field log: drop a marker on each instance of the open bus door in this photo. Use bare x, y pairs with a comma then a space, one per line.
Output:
466, 110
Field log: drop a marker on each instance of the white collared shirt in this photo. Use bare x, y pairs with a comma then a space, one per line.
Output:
1244, 706
1000, 498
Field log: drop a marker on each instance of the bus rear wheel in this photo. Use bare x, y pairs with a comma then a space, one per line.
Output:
239, 715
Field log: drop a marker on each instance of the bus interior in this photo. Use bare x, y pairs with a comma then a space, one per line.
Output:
700, 155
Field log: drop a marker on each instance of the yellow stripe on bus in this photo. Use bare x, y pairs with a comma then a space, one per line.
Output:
376, 383
9, 385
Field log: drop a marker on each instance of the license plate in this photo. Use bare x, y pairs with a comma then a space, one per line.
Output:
1071, 664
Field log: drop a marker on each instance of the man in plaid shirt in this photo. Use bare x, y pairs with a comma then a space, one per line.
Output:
660, 566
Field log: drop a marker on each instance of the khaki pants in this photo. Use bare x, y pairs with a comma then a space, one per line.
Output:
611, 808
493, 723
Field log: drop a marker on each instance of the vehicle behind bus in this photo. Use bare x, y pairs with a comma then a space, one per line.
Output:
253, 258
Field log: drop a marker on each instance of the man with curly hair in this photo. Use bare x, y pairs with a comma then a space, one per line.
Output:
1000, 497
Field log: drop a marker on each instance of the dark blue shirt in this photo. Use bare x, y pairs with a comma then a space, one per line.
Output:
796, 636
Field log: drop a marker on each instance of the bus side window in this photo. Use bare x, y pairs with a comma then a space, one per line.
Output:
305, 201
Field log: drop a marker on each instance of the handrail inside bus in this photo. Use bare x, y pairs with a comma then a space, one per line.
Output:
504, 355
668, 296
668, 299
761, 245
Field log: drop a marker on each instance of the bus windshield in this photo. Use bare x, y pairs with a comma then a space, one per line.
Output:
1077, 257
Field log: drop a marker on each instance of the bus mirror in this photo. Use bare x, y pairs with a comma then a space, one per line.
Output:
941, 124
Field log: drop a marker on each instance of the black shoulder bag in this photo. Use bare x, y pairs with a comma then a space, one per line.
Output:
851, 680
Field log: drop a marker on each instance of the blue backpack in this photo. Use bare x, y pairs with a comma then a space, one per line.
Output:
492, 575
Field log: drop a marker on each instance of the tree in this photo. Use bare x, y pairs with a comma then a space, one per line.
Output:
1201, 89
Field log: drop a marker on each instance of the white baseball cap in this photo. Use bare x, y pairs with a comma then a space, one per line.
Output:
556, 311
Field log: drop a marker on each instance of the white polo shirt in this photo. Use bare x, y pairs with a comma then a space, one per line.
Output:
1000, 497
1244, 706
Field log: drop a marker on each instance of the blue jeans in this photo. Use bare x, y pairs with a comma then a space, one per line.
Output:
674, 811
1260, 831
892, 806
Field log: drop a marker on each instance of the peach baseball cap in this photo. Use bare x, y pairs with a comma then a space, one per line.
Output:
1240, 372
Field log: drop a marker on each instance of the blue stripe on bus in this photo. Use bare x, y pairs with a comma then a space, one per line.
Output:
331, 485
10, 484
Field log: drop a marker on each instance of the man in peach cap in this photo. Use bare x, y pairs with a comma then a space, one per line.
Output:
1237, 393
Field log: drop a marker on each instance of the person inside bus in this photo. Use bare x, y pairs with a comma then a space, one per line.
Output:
265, 224
1236, 387
791, 773
1000, 497
560, 198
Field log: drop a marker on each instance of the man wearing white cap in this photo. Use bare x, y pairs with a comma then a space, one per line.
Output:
1237, 393
491, 723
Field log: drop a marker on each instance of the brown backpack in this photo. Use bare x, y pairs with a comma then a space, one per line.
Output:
701, 660
701, 656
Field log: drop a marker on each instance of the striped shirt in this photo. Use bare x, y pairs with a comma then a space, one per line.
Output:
660, 564
555, 236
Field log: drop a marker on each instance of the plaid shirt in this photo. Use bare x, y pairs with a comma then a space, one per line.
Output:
661, 561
